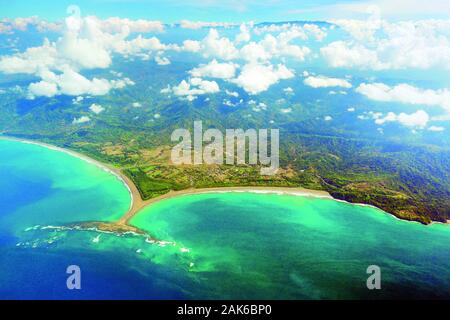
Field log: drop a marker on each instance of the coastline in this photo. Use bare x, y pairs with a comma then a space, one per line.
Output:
138, 204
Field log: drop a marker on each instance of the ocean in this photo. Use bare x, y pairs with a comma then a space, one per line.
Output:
208, 246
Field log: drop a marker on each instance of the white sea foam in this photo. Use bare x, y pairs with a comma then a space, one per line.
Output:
32, 228
166, 243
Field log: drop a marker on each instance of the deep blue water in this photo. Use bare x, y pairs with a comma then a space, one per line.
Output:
210, 246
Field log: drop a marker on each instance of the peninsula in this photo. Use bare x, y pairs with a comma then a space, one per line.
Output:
141, 197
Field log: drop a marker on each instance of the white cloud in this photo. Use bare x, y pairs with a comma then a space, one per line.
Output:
166, 90
202, 24
43, 88
332, 92
255, 52
9, 25
381, 45
115, 24
351, 109
96, 108
272, 28
279, 46
276, 47
286, 110
259, 107
228, 103
81, 120
215, 69
315, 30
361, 30
232, 93
136, 105
30, 61
72, 83
192, 88
111, 25
340, 54
370, 115
405, 93
121, 83
288, 90
5, 28
83, 45
436, 128
162, 61
77, 100
256, 78
244, 35
191, 46
303, 31
215, 46
327, 118
419, 119
323, 82
141, 46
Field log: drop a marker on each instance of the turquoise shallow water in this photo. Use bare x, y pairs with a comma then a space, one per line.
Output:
218, 245
43, 186
288, 247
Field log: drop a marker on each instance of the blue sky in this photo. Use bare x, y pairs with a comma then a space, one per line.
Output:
227, 10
